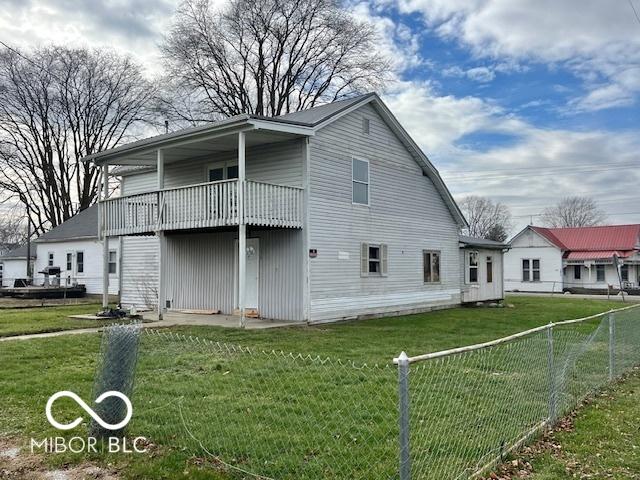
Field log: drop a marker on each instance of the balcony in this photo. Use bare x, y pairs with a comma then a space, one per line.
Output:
206, 205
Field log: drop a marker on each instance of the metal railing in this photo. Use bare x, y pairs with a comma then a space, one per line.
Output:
206, 205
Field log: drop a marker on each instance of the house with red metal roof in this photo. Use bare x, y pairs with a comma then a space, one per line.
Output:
580, 259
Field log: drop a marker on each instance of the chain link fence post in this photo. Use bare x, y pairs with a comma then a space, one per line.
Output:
403, 404
612, 346
552, 375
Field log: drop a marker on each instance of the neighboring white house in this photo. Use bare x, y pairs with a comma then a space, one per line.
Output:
335, 210
482, 275
75, 248
574, 259
13, 265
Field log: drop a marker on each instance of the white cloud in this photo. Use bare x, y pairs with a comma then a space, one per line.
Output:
536, 169
592, 37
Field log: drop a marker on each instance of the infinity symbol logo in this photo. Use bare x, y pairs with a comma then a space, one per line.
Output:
89, 410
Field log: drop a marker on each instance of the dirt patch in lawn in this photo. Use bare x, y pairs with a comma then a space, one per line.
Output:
16, 462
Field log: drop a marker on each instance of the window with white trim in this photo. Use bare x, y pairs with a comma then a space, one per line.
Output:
600, 276
489, 269
69, 262
373, 260
360, 181
222, 171
624, 273
50, 260
577, 272
79, 261
113, 261
472, 267
431, 266
530, 269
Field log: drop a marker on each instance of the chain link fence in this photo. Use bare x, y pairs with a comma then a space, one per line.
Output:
468, 408
447, 415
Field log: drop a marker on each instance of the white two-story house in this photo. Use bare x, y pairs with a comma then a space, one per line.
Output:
324, 214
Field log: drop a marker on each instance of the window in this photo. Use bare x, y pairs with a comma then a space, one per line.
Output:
431, 266
530, 270
113, 261
600, 273
577, 272
360, 181
51, 259
69, 262
222, 171
624, 273
366, 126
80, 262
473, 267
1, 268
489, 269
373, 259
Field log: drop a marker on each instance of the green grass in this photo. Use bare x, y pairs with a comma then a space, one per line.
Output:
302, 412
18, 321
605, 441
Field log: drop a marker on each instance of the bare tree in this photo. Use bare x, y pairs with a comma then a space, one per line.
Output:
486, 218
573, 212
57, 105
267, 57
13, 230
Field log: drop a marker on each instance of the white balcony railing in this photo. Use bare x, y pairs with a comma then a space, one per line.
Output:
206, 205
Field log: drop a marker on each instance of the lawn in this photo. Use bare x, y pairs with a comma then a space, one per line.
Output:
17, 321
279, 412
603, 442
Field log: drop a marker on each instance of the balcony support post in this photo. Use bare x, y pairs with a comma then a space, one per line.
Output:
161, 240
102, 226
242, 229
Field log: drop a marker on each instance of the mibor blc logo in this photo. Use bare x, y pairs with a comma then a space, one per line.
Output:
89, 410
89, 444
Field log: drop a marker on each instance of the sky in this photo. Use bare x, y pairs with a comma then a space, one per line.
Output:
522, 101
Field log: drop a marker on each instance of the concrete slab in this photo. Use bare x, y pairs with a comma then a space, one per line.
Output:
216, 320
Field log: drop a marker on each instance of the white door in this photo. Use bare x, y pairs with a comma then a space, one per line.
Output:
253, 261
253, 264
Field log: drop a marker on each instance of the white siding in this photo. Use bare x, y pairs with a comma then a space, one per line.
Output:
12, 269
201, 271
91, 278
589, 277
483, 290
139, 271
406, 213
532, 246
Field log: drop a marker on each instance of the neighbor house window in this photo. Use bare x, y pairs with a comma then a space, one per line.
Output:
624, 273
577, 272
50, 259
1, 268
360, 181
530, 270
69, 261
489, 269
431, 266
113, 261
473, 267
600, 273
80, 262
373, 259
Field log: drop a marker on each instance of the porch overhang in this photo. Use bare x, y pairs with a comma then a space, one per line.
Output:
201, 141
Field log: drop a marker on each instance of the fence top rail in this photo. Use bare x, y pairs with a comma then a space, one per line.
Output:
510, 338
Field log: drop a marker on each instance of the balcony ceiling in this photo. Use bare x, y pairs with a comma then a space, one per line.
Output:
201, 148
